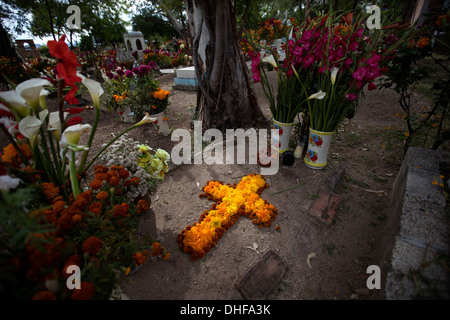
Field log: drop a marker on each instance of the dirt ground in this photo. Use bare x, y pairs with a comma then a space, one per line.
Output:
344, 250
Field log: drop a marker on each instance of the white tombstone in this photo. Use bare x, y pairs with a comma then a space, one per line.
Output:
134, 41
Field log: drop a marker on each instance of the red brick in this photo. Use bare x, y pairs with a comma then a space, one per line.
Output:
324, 208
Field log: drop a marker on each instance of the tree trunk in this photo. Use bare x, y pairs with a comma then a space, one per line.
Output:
225, 98
6, 48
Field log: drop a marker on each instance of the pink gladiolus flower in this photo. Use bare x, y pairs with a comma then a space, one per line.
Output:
306, 36
359, 74
359, 32
348, 62
353, 46
351, 96
373, 61
309, 59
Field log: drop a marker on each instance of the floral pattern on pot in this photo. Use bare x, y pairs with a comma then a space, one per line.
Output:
315, 140
280, 129
311, 155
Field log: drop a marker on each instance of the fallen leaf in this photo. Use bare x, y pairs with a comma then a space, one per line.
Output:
310, 256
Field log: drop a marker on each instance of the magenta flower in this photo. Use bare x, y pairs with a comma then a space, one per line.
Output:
351, 96
120, 72
128, 74
359, 74
353, 46
371, 86
348, 62
309, 60
255, 67
306, 36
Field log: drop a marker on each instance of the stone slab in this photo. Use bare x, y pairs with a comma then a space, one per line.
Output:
263, 277
186, 73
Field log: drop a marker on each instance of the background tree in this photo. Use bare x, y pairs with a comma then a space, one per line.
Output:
225, 97
149, 20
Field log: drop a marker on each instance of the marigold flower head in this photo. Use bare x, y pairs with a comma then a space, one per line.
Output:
95, 184
124, 174
102, 195
121, 210
142, 206
140, 257
11, 156
156, 248
50, 191
96, 208
91, 245
114, 181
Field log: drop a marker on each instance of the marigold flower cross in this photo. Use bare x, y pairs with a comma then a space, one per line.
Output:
231, 203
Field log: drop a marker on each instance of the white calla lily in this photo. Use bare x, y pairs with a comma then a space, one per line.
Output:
145, 119
54, 123
270, 60
73, 133
42, 98
318, 95
43, 114
334, 72
16, 102
95, 90
29, 127
30, 90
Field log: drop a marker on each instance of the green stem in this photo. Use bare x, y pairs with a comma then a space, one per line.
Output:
73, 175
91, 138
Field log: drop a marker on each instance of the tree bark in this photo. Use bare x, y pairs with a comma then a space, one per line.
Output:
225, 98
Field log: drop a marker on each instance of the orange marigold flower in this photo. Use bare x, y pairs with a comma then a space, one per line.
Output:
86, 291
121, 210
102, 195
423, 42
166, 256
96, 208
44, 295
124, 174
142, 206
11, 156
140, 257
156, 249
114, 181
77, 218
91, 245
101, 169
95, 184
50, 191
100, 176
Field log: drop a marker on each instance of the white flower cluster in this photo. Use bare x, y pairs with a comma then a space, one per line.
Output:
125, 152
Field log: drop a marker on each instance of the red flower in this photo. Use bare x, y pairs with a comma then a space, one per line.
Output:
67, 66
314, 158
73, 121
91, 245
74, 110
319, 142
